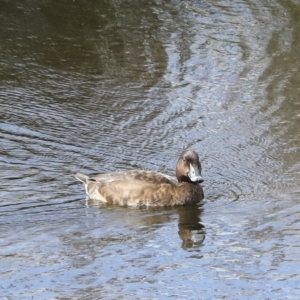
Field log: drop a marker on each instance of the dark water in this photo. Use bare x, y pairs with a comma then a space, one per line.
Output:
96, 86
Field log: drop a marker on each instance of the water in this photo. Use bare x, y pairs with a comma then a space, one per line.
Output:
96, 86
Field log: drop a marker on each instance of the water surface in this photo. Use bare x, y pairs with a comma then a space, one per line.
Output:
97, 86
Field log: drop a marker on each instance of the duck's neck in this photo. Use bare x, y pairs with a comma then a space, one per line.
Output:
182, 182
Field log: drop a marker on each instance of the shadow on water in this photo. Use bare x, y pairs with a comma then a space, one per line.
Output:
283, 91
88, 37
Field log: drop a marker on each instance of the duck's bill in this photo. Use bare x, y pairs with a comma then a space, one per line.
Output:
194, 174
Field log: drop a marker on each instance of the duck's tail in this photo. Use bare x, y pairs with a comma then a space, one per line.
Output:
81, 177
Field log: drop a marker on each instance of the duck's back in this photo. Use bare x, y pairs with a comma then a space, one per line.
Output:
135, 176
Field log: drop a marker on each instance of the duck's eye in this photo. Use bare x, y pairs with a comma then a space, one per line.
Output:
184, 160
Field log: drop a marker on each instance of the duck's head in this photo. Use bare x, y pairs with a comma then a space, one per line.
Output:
188, 167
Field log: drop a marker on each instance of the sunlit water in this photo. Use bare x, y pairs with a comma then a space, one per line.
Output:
95, 87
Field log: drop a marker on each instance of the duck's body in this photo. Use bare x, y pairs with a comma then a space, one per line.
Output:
140, 187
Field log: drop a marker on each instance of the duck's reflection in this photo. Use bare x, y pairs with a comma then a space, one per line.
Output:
191, 230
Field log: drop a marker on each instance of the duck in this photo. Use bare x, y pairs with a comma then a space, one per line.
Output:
148, 188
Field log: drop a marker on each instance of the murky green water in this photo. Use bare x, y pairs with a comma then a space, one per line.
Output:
94, 86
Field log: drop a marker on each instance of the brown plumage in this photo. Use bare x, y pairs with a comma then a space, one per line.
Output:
139, 187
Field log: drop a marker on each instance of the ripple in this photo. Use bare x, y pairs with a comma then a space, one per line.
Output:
127, 86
